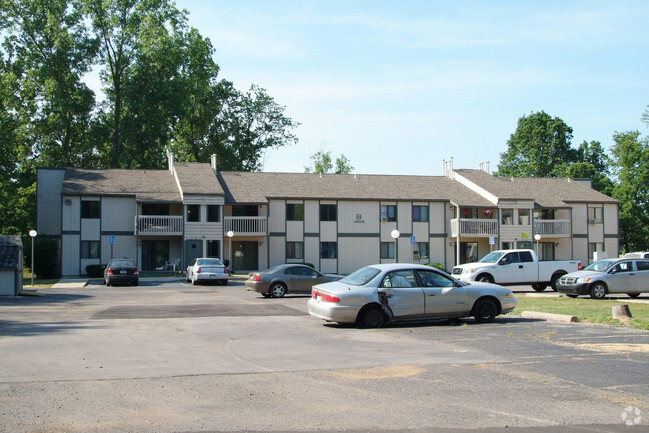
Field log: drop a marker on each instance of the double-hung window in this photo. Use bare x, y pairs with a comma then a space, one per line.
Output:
328, 212
420, 214
294, 250
294, 212
328, 250
388, 212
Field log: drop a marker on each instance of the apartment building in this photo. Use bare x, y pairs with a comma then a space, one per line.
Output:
165, 218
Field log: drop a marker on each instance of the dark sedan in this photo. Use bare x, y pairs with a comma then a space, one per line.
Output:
121, 271
279, 280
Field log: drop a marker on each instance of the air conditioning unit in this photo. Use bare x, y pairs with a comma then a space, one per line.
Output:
592, 220
384, 219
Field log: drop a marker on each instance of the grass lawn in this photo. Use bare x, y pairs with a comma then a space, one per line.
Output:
586, 309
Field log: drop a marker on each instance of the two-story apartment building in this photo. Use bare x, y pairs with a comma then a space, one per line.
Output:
165, 218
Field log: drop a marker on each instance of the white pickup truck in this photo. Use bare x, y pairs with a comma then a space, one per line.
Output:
509, 267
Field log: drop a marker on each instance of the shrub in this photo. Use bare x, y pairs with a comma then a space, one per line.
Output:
46, 257
437, 266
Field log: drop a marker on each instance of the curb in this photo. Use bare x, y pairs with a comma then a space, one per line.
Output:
564, 318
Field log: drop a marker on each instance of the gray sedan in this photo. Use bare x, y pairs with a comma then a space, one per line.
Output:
622, 275
376, 294
279, 280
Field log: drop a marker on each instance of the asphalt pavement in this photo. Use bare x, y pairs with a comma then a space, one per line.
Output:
167, 356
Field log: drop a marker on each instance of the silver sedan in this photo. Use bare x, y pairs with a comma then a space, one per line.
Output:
376, 294
206, 269
279, 280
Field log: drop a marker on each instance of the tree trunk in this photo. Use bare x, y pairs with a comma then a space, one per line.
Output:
622, 312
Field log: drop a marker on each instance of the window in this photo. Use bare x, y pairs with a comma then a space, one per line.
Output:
399, 279
420, 250
526, 256
594, 215
328, 212
193, 213
388, 212
523, 217
434, 279
294, 212
90, 249
420, 214
387, 250
507, 245
213, 213
328, 250
594, 247
302, 271
294, 250
507, 217
90, 209
642, 266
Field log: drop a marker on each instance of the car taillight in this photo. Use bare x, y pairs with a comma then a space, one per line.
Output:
109, 272
324, 297
256, 277
226, 271
579, 267
136, 272
198, 271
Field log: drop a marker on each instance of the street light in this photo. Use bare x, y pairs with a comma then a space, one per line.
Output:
32, 234
395, 235
229, 235
537, 238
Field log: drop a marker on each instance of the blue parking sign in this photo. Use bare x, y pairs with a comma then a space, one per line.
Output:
412, 239
111, 239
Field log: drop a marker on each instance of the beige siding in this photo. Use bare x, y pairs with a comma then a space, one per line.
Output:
72, 214
596, 232
124, 246
438, 217
611, 219
354, 253
277, 216
203, 230
580, 250
118, 214
71, 255
294, 231
358, 217
404, 216
438, 251
277, 249
580, 219
612, 247
90, 229
311, 216
420, 231
48, 210
329, 266
312, 251
328, 231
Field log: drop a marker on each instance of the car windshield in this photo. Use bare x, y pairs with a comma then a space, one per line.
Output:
209, 262
601, 266
492, 257
361, 276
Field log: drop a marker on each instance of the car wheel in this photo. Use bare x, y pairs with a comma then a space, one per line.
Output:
539, 287
598, 291
277, 290
485, 310
572, 296
554, 280
372, 318
633, 295
485, 278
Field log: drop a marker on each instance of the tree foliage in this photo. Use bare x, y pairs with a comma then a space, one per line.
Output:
322, 163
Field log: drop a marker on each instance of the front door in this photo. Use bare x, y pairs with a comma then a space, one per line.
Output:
154, 255
193, 250
399, 293
443, 298
245, 256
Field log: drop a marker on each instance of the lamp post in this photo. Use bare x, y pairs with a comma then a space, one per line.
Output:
537, 238
229, 234
395, 235
32, 234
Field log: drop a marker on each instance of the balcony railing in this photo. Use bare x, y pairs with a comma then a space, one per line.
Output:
246, 226
552, 228
158, 225
475, 227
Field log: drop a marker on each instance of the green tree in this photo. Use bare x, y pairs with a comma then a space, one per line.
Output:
540, 147
630, 164
591, 162
322, 163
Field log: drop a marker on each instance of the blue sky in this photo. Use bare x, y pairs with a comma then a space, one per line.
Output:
398, 86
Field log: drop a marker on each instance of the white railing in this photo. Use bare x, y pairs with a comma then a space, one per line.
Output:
552, 227
475, 227
158, 225
245, 226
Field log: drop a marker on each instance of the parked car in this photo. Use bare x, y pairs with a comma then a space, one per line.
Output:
636, 255
121, 271
377, 294
279, 280
621, 275
513, 267
206, 269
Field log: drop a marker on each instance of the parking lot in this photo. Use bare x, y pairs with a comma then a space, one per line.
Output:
167, 356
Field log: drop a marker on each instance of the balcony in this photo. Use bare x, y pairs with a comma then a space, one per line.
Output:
552, 228
475, 227
159, 225
246, 226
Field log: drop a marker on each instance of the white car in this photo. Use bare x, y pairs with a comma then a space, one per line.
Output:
207, 270
376, 294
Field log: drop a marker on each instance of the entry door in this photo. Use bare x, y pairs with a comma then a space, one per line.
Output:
245, 256
193, 250
154, 254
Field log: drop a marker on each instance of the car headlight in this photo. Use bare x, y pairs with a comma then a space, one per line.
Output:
583, 280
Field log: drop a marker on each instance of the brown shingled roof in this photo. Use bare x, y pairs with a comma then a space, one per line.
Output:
244, 187
197, 178
145, 185
545, 191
